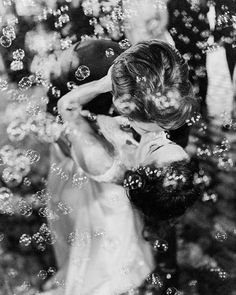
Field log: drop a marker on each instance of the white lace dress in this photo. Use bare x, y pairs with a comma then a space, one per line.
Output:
108, 254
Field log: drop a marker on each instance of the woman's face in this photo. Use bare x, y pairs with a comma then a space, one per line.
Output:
164, 152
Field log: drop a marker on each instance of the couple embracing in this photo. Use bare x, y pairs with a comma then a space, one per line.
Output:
137, 176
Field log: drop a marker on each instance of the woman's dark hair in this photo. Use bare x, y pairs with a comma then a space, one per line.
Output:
162, 194
153, 76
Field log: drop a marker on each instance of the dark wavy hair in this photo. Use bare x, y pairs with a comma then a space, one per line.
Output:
162, 194
154, 77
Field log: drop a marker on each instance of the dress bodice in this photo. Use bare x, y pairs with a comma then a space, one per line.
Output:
124, 145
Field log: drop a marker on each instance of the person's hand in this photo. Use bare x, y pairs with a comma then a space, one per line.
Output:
69, 106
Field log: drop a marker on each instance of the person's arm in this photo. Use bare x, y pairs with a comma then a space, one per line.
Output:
83, 94
91, 151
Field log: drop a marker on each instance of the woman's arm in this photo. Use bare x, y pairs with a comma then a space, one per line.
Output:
92, 152
83, 94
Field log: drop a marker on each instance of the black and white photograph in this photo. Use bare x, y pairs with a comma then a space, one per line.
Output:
117, 147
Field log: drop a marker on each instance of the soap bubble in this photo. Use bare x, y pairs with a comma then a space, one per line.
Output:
79, 179
11, 176
6, 206
42, 196
16, 130
3, 84
25, 83
25, 240
124, 44
18, 54
33, 156
9, 32
16, 65
5, 41
42, 274
25, 208
221, 236
71, 85
172, 291
110, 52
64, 18
82, 73
63, 209
160, 246
155, 279
27, 181
56, 92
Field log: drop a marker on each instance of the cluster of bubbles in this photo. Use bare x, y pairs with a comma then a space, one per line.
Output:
17, 164
220, 273
44, 274
8, 35
107, 18
39, 124
227, 121
17, 64
61, 15
213, 197
155, 279
44, 237
220, 152
54, 169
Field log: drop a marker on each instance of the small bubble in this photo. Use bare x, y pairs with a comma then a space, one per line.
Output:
110, 52
221, 236
3, 85
42, 274
11, 176
56, 92
155, 279
25, 83
9, 32
160, 246
5, 41
18, 54
82, 73
16, 65
51, 271
27, 181
124, 44
25, 240
16, 130
33, 156
71, 85
25, 208
172, 291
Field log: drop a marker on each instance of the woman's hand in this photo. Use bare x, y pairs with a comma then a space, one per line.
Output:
69, 106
